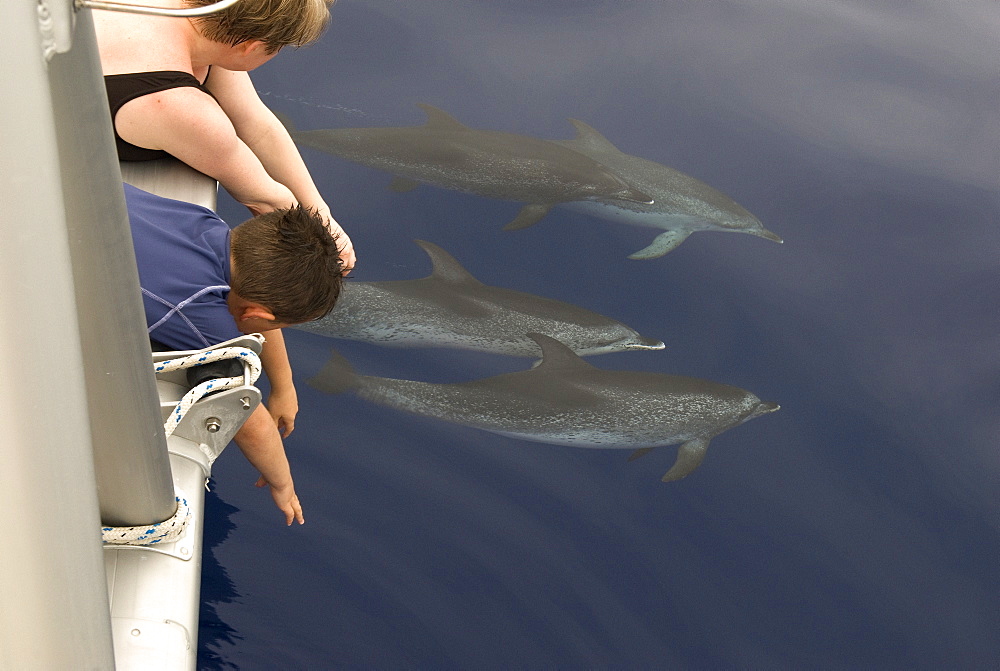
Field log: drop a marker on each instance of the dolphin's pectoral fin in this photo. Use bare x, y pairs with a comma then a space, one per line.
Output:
402, 184
641, 452
664, 242
528, 216
689, 456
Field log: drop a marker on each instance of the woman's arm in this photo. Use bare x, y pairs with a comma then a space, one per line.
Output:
270, 142
191, 126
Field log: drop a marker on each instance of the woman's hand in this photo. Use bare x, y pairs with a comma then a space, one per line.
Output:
344, 244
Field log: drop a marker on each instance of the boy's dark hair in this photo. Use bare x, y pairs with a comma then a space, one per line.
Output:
288, 262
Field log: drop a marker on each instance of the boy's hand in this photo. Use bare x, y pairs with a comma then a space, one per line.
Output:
286, 500
283, 405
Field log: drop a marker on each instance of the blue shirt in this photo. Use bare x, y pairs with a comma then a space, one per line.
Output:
182, 251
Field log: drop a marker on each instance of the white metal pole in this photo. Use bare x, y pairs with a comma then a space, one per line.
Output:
130, 450
53, 596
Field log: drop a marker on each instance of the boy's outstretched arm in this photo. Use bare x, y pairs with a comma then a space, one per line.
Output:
260, 443
283, 402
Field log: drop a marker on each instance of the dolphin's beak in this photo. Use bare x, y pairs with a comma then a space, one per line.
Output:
648, 343
764, 233
763, 408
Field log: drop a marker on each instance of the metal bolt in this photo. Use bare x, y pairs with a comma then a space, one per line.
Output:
246, 402
213, 424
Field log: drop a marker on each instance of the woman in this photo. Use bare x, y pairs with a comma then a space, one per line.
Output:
180, 86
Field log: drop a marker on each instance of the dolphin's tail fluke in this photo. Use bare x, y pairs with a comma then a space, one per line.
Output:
336, 377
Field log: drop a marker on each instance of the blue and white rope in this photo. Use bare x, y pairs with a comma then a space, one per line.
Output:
172, 529
161, 532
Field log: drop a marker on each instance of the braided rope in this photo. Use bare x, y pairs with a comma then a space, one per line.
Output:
172, 529
195, 394
161, 532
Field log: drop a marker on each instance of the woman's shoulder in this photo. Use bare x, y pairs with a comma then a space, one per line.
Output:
136, 43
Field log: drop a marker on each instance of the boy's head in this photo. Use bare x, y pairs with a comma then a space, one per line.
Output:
288, 262
275, 23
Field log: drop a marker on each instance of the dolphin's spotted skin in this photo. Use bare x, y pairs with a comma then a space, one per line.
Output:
446, 153
451, 308
681, 204
564, 400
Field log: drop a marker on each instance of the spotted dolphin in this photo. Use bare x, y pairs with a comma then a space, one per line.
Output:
564, 400
446, 153
451, 308
682, 204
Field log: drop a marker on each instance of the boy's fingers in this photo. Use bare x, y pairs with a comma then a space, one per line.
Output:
294, 512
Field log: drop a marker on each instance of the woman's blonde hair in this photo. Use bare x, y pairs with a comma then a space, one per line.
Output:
276, 23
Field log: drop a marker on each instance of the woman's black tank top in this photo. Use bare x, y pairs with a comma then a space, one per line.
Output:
129, 86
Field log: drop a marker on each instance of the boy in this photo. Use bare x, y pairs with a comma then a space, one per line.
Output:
180, 86
203, 284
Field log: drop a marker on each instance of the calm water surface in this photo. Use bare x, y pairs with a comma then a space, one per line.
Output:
855, 527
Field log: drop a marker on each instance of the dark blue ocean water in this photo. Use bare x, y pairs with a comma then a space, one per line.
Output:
856, 527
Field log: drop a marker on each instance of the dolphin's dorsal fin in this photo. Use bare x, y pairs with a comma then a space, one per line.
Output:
437, 118
445, 267
555, 355
589, 138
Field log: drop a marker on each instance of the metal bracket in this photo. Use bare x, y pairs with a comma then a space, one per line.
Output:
55, 24
215, 419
